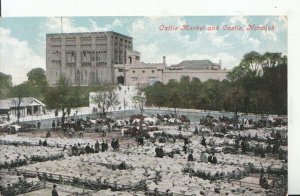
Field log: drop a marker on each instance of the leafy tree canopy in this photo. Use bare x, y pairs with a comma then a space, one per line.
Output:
37, 77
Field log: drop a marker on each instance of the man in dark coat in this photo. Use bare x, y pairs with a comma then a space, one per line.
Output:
161, 152
38, 124
54, 191
97, 147
87, 149
210, 158
106, 145
113, 144
184, 149
53, 125
103, 146
214, 159
190, 157
117, 144
157, 152
186, 141
203, 141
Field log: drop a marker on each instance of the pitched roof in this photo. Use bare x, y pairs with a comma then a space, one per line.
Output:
195, 64
26, 101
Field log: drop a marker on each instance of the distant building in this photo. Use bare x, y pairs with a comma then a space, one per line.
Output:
201, 69
85, 58
136, 73
28, 106
95, 58
196, 65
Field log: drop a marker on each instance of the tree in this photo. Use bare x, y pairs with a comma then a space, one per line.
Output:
195, 89
213, 93
274, 82
184, 88
234, 99
37, 77
18, 94
105, 99
61, 97
237, 73
174, 99
38, 83
253, 63
5, 85
257, 84
140, 100
264, 80
156, 94
272, 59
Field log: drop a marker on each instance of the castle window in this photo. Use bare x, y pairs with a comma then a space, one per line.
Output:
133, 79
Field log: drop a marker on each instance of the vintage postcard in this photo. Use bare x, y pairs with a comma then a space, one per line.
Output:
144, 105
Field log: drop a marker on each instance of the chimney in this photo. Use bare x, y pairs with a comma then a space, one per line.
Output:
164, 60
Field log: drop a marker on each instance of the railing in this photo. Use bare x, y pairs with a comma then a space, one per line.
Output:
79, 182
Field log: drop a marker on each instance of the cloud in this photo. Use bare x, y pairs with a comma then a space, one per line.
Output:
219, 40
154, 43
245, 38
239, 20
93, 26
117, 22
272, 35
255, 42
17, 58
55, 25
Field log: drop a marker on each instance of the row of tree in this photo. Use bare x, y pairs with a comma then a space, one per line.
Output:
61, 97
258, 84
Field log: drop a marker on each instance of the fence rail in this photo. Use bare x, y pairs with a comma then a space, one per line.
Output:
80, 182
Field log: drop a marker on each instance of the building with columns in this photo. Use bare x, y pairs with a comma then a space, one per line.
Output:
28, 106
85, 58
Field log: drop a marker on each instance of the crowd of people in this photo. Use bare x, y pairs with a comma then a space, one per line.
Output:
79, 149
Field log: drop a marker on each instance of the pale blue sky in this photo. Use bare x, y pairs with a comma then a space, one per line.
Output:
22, 40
